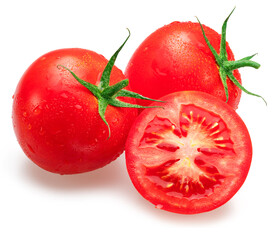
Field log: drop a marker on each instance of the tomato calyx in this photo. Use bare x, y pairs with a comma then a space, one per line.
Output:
106, 94
226, 67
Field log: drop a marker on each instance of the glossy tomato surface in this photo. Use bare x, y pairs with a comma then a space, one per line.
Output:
56, 119
176, 58
190, 157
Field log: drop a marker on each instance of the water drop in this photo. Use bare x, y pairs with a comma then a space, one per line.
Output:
41, 131
115, 120
236, 93
159, 72
64, 95
159, 206
78, 106
37, 110
24, 114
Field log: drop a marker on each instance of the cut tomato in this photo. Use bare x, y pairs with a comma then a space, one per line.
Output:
190, 157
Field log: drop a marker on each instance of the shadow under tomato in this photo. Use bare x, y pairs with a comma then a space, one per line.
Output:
107, 176
114, 177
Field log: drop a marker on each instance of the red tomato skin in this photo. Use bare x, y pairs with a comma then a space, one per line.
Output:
176, 58
56, 119
240, 135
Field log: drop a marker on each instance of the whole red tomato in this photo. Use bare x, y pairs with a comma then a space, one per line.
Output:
56, 119
176, 57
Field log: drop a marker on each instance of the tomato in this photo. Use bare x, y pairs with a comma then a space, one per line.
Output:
176, 57
190, 157
56, 119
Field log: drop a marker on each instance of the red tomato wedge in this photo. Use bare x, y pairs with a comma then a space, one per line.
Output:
190, 157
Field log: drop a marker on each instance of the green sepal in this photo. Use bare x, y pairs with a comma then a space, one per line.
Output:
127, 93
112, 90
104, 82
91, 87
223, 52
216, 55
226, 67
236, 82
117, 103
107, 94
232, 65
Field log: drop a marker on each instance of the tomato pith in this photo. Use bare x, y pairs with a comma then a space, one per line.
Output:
190, 157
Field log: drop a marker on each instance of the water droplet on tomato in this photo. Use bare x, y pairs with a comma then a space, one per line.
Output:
24, 114
99, 78
78, 106
29, 126
37, 110
236, 93
159, 72
159, 206
41, 131
115, 120
64, 95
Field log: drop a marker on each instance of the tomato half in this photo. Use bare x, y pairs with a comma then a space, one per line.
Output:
56, 119
176, 58
190, 157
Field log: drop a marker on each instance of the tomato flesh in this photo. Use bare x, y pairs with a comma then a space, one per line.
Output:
190, 157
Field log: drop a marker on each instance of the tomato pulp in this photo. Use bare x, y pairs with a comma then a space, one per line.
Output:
56, 119
190, 157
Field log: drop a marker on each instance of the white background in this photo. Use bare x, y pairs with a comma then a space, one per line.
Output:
35, 204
